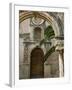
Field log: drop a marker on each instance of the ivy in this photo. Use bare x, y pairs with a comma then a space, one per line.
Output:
49, 34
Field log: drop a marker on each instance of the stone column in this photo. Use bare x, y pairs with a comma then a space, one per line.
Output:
60, 47
26, 53
61, 67
26, 46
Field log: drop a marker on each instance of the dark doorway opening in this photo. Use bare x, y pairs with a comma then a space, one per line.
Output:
37, 63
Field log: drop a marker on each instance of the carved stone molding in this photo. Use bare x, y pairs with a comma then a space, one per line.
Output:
59, 44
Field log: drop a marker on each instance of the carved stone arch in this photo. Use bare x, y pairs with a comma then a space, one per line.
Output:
59, 21
49, 18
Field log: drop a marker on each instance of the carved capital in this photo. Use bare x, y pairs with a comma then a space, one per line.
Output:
59, 44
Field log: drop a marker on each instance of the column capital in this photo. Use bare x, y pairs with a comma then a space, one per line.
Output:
59, 45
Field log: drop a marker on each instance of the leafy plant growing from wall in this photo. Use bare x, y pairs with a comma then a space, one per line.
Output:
48, 35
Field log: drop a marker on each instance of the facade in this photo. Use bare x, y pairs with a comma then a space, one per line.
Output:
41, 41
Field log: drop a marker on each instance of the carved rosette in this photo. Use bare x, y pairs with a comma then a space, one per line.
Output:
37, 21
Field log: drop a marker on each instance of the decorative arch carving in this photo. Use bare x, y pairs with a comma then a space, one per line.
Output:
46, 16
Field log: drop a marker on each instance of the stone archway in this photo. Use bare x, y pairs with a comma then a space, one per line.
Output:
37, 63
52, 19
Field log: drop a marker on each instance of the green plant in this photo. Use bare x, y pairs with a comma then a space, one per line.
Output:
48, 35
49, 32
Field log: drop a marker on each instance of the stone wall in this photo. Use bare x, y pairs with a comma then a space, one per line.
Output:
24, 71
53, 65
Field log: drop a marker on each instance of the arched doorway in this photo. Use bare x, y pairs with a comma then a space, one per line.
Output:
37, 63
